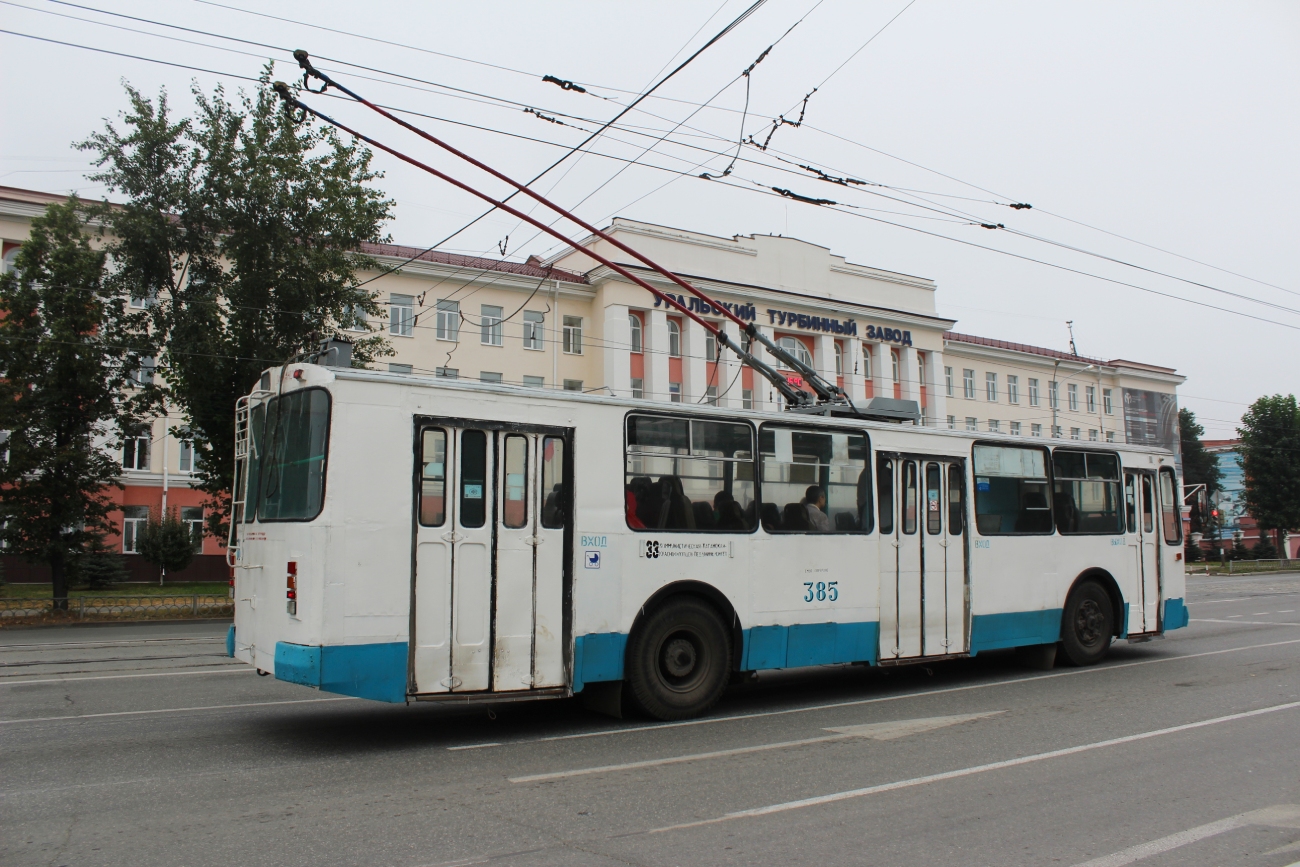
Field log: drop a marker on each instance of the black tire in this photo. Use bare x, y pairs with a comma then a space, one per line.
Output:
1087, 624
679, 659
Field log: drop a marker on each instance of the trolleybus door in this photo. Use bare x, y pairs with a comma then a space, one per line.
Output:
1140, 516
943, 560
532, 513
453, 561
900, 552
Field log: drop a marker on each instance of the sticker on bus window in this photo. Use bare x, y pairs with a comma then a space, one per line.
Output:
473, 492
982, 485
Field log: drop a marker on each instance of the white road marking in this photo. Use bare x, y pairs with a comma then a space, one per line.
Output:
232, 669
9, 722
1236, 615
56, 645
902, 696
1244, 622
975, 769
875, 731
473, 747
1285, 611
1284, 815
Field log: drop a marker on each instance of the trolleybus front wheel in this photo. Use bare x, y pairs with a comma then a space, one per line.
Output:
1087, 624
679, 659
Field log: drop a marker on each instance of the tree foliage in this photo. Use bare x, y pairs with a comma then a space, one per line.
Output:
166, 541
244, 229
1270, 461
1200, 467
69, 343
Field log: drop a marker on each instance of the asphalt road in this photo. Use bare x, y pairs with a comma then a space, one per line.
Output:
142, 745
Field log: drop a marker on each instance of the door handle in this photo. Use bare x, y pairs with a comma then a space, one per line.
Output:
896, 543
533, 540
451, 536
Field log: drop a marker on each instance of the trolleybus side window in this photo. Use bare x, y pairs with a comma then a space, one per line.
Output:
1086, 492
473, 478
1011, 491
293, 466
689, 474
256, 427
555, 508
956, 506
815, 481
1169, 507
433, 478
514, 499
909, 497
885, 494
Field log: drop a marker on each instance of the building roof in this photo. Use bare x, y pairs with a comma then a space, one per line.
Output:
1221, 444
955, 337
526, 269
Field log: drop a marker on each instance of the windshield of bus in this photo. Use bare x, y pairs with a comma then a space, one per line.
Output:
290, 471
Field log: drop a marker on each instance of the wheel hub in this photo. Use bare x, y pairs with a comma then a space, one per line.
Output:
679, 656
1088, 622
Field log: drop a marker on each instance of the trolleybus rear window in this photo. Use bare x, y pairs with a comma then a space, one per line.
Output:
1011, 491
296, 441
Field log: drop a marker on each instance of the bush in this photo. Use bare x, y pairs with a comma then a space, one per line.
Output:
165, 541
1239, 550
1192, 552
102, 570
1264, 548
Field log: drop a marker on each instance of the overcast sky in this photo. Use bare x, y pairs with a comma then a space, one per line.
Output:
1171, 124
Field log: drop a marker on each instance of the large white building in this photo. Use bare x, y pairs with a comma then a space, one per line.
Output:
570, 322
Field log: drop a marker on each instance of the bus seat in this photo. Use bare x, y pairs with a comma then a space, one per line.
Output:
845, 522
703, 516
771, 517
795, 517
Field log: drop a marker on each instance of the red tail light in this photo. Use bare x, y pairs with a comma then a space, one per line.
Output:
291, 581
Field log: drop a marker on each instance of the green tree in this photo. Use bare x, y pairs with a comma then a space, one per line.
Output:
98, 567
1200, 467
1270, 462
244, 230
68, 346
1264, 549
166, 541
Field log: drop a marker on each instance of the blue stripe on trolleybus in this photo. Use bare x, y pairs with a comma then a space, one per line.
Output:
375, 671
1014, 629
1176, 614
599, 657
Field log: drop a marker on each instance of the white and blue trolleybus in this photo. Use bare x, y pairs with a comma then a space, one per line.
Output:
401, 538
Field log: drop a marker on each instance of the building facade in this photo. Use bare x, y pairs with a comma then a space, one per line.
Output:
571, 323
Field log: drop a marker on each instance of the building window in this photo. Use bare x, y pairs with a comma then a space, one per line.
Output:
1056, 431
185, 459
490, 324
991, 387
634, 326
448, 372
133, 521
448, 320
866, 361
1054, 394
193, 516
674, 339
925, 416
638, 388
839, 359
573, 335
1036, 430
972, 423
135, 450
1110, 436
354, 318
534, 329
537, 381
995, 426
573, 385
142, 302
746, 398
143, 375
1090, 398
893, 363
1033, 392
1092, 436
1013, 388
486, 376
952, 421
1015, 428
795, 347
920, 369
947, 380
1074, 433
400, 368
1072, 395
710, 346
1107, 402
711, 395
968, 383
675, 392
401, 315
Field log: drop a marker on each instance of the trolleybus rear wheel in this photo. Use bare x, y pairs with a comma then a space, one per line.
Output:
679, 659
1087, 624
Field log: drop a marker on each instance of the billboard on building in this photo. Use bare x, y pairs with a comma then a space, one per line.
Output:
1151, 419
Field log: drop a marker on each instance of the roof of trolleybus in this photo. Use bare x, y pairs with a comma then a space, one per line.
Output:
533, 394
